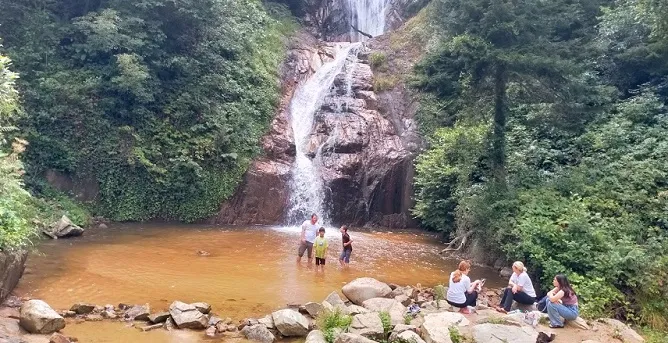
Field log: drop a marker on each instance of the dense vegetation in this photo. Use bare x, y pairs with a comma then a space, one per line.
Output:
159, 102
550, 143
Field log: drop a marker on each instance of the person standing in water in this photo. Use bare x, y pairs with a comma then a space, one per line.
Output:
320, 246
309, 232
344, 259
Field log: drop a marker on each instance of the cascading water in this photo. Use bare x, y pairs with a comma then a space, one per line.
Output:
367, 16
307, 187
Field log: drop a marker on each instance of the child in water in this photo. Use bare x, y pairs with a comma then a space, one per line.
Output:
320, 245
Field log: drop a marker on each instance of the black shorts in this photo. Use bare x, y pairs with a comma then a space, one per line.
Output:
319, 261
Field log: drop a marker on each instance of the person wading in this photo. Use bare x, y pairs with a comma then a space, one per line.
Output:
309, 232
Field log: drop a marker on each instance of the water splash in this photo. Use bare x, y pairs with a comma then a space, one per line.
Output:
368, 16
307, 189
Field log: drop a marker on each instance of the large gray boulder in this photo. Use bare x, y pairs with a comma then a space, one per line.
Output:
138, 312
258, 333
362, 289
315, 336
290, 323
335, 300
64, 228
627, 334
436, 326
368, 325
313, 309
352, 338
497, 333
187, 316
38, 317
410, 336
391, 306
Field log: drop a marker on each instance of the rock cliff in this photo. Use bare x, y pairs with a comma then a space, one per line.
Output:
12, 265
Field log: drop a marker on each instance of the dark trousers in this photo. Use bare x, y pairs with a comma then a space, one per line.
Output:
520, 297
471, 299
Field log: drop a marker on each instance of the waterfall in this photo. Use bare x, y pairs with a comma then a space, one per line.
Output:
307, 189
368, 16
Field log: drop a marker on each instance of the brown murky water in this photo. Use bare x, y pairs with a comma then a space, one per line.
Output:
249, 272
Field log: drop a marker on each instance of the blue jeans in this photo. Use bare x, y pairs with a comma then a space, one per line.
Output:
556, 311
345, 256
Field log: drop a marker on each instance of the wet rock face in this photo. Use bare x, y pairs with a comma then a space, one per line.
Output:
12, 265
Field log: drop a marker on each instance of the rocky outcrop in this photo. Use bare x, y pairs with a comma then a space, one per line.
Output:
12, 265
187, 316
362, 289
38, 317
290, 323
497, 333
64, 228
258, 333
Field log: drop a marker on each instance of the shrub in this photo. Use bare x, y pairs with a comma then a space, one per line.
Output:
331, 321
377, 60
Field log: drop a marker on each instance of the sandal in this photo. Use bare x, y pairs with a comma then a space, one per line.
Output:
556, 326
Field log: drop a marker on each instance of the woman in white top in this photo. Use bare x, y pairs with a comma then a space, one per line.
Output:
519, 289
461, 291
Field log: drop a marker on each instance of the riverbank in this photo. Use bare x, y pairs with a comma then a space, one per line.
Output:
362, 311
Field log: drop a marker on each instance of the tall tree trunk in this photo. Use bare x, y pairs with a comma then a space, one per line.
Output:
499, 133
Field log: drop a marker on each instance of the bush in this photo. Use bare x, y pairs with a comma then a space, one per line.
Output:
377, 60
330, 321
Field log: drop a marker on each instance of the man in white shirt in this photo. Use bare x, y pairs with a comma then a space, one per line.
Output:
309, 232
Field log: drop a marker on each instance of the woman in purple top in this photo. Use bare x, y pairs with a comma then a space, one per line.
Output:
560, 302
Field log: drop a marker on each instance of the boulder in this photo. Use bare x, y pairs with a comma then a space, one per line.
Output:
267, 321
352, 338
506, 272
354, 309
138, 312
211, 331
38, 317
58, 338
82, 308
626, 334
497, 333
315, 336
391, 306
169, 324
290, 323
313, 308
94, 318
258, 333
335, 300
578, 323
368, 325
362, 289
410, 336
64, 228
399, 328
187, 316
202, 307
159, 317
109, 314
403, 299
151, 327
436, 326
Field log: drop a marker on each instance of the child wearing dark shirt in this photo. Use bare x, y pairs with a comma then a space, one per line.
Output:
344, 259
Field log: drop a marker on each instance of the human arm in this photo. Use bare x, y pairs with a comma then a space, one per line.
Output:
303, 235
555, 295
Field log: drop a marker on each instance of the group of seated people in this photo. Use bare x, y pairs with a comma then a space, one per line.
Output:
560, 303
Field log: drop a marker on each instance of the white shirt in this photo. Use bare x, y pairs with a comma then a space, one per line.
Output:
310, 231
524, 281
457, 291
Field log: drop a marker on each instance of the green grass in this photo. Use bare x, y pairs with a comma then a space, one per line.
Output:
378, 60
386, 320
653, 336
384, 82
329, 321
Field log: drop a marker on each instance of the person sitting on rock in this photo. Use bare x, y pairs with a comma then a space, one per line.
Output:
461, 291
560, 302
519, 289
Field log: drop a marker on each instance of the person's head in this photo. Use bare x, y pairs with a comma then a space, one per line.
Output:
321, 232
344, 229
314, 218
518, 268
463, 269
561, 281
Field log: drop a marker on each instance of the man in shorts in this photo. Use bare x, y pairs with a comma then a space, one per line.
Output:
344, 259
309, 232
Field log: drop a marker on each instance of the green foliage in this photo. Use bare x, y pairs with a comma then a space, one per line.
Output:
384, 82
455, 335
331, 321
161, 102
377, 60
386, 320
408, 318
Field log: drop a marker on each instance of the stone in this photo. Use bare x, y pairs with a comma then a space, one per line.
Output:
38, 317
506, 272
391, 306
202, 307
213, 320
368, 325
354, 309
435, 328
221, 327
315, 336
590, 341
578, 323
94, 318
103, 226
313, 308
151, 327
169, 324
108, 315
403, 299
626, 334
267, 321
352, 338
210, 331
362, 289
187, 316
58, 338
12, 265
137, 312
82, 308
69, 314
399, 328
258, 333
327, 306
497, 333
290, 323
410, 336
64, 228
335, 300
159, 317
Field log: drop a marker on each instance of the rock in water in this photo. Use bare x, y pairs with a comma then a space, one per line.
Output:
58, 338
290, 323
436, 326
258, 333
313, 308
64, 228
497, 333
202, 307
138, 312
160, 317
352, 338
187, 316
38, 317
82, 308
315, 336
362, 289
